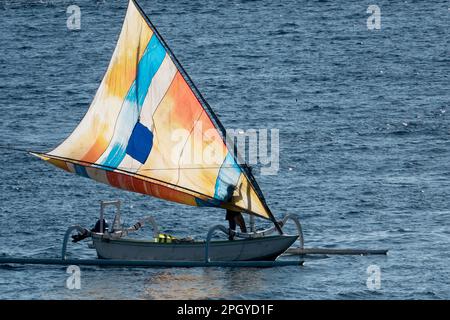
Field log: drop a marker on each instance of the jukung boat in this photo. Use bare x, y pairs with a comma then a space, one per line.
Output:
126, 140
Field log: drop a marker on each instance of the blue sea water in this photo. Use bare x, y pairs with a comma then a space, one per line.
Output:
364, 132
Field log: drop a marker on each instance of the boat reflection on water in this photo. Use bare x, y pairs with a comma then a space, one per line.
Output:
203, 283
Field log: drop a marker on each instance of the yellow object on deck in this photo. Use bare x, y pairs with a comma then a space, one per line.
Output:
164, 238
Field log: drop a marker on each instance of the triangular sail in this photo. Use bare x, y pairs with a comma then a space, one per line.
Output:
147, 131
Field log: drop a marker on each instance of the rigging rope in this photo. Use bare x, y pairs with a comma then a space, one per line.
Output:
125, 168
14, 149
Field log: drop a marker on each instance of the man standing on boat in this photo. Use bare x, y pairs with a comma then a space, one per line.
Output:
235, 217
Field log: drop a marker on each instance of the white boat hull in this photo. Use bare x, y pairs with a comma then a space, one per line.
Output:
256, 249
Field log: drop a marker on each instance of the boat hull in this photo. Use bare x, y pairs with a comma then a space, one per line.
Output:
256, 249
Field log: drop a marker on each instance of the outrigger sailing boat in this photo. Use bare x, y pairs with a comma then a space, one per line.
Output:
126, 140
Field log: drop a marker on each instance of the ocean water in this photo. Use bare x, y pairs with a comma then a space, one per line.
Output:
364, 141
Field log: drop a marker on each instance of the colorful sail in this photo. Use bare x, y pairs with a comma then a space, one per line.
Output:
147, 132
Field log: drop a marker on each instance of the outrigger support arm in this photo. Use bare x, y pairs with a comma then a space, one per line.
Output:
257, 234
66, 238
262, 233
125, 231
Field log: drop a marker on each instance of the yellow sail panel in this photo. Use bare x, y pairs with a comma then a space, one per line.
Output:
146, 131
245, 196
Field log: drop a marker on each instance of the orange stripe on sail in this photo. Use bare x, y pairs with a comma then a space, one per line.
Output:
123, 181
126, 182
139, 186
185, 107
113, 179
170, 194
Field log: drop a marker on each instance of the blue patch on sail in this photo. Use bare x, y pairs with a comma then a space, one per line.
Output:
208, 203
227, 179
140, 143
80, 170
149, 64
